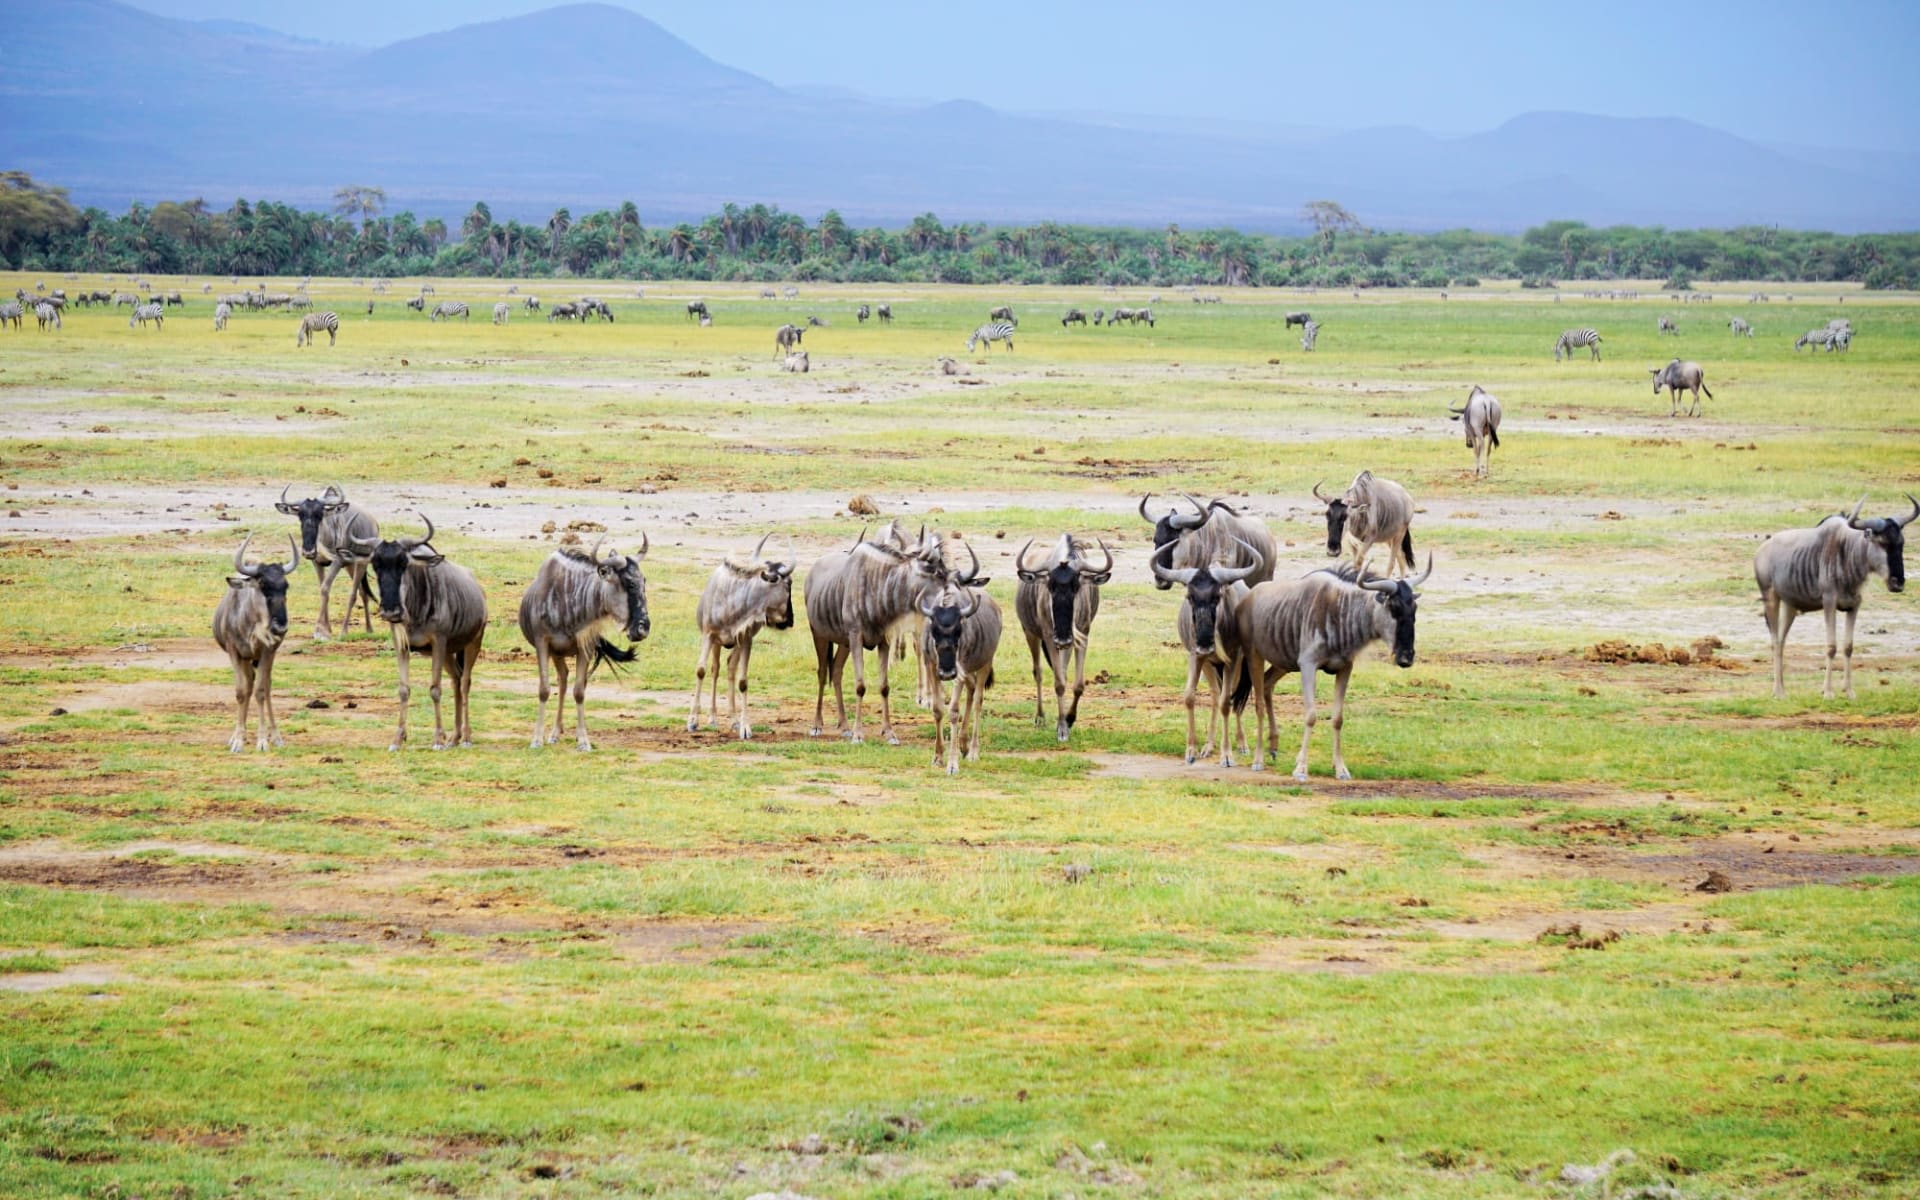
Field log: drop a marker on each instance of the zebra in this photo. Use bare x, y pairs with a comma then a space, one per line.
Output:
500, 312
1667, 326
1738, 327
1310, 335
1573, 339
1815, 337
142, 313
221, 312
313, 323
47, 315
991, 332
790, 292
11, 311
449, 309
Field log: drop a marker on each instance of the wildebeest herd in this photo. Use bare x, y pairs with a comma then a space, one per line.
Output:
893, 593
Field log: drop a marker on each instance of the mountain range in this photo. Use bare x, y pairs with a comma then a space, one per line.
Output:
586, 105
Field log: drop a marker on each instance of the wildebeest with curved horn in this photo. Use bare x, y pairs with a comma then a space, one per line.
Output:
1480, 416
1677, 377
433, 607
1216, 533
1056, 603
786, 338
1825, 568
960, 638
329, 528
742, 597
863, 598
564, 614
1208, 622
1321, 622
1298, 318
1004, 313
249, 624
1370, 512
697, 308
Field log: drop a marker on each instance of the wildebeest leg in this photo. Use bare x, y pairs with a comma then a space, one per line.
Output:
463, 694
1339, 719
1187, 698
242, 701
433, 691
324, 630
365, 593
822, 667
580, 705
840, 655
857, 652
886, 695
1072, 713
270, 720
940, 714
737, 664
540, 714
1262, 697
560, 705
1039, 695
320, 630
709, 653
400, 651
1779, 620
977, 707
1307, 682
1847, 647
1239, 711
1826, 688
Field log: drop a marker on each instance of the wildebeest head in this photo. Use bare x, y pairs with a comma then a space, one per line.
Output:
778, 575
391, 558
1168, 528
1337, 512
1664, 376
1205, 585
1402, 604
310, 513
1888, 534
270, 579
1063, 581
625, 589
946, 612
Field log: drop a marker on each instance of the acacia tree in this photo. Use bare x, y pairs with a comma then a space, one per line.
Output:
1329, 218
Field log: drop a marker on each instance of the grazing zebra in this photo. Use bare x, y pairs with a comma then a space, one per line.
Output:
885, 313
1310, 335
1815, 337
1738, 327
313, 323
1573, 339
221, 312
500, 312
301, 300
449, 309
142, 313
11, 311
47, 315
790, 292
426, 289
1667, 326
991, 332
1073, 315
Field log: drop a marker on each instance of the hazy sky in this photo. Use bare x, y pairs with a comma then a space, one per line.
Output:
1840, 73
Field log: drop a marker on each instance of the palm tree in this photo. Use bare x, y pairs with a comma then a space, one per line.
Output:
435, 230
557, 226
625, 221
477, 222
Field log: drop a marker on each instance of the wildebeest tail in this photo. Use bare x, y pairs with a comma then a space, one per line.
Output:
1243, 686
1495, 435
605, 651
1406, 541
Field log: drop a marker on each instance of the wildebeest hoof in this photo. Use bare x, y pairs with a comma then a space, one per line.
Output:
395, 746
584, 746
1039, 721
1257, 765
1343, 773
893, 739
1192, 758
693, 724
855, 738
1300, 774
537, 743
953, 768
321, 635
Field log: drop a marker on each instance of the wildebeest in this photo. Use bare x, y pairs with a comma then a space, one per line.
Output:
531, 303
1667, 326
1215, 533
797, 362
1056, 604
1679, 376
1480, 417
433, 607
1209, 629
863, 598
417, 304
1298, 318
1825, 568
249, 624
1099, 315
564, 614
787, 338
696, 308
1003, 313
816, 323
1371, 511
1073, 316
329, 527
960, 636
565, 310
862, 313
1321, 622
885, 313
742, 597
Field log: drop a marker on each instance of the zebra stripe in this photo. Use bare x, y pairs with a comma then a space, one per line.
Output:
1573, 339
449, 309
313, 323
47, 315
1739, 327
1310, 335
142, 313
11, 311
991, 332
500, 312
221, 312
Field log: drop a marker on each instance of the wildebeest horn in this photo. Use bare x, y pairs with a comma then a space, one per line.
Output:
1183, 576
1222, 504
429, 523
294, 562
973, 570
645, 544
1020, 559
365, 545
240, 563
1106, 566
1422, 577
762, 545
1201, 513
1853, 518
858, 540
1907, 520
283, 496
1316, 492
594, 553
926, 604
974, 596
1236, 574
1143, 509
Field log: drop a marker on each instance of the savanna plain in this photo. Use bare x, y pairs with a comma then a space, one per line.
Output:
1584, 894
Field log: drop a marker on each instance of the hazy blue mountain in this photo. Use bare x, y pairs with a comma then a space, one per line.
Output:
586, 105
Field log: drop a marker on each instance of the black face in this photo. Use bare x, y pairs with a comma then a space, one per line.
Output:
1336, 526
390, 561
272, 582
945, 626
311, 513
1203, 597
1063, 587
781, 615
1887, 533
1163, 534
1402, 605
627, 574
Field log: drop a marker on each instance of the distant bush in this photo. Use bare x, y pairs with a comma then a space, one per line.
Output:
1467, 281
1679, 281
1536, 281
1887, 277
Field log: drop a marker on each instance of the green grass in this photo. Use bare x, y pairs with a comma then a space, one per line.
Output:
669, 967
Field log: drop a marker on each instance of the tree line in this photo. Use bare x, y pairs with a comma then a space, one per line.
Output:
41, 230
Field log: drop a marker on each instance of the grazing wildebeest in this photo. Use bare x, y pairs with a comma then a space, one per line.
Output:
1825, 568
696, 308
532, 303
1298, 318
786, 339
1677, 377
564, 615
328, 529
1371, 511
417, 304
1099, 315
249, 624
1667, 326
1209, 629
885, 313
1003, 313
565, 310
862, 313
961, 634
1321, 622
742, 597
861, 599
1056, 603
433, 607
1480, 416
1074, 316
1215, 533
